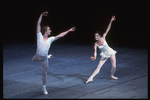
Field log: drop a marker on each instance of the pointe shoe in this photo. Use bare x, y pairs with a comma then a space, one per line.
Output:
89, 80
113, 77
44, 90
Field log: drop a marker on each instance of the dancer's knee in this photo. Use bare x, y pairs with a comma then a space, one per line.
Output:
114, 66
44, 72
97, 70
44, 69
99, 66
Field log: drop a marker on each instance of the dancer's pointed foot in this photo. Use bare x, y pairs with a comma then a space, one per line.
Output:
113, 77
89, 80
50, 56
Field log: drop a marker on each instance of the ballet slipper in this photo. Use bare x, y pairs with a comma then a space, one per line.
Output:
44, 90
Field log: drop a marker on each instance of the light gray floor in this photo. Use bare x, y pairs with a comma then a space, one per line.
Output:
68, 71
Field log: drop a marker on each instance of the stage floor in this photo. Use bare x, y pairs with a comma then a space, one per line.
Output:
68, 71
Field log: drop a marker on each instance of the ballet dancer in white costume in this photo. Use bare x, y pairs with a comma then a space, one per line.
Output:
43, 46
106, 52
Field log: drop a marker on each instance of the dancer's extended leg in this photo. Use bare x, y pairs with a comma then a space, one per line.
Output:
113, 62
101, 62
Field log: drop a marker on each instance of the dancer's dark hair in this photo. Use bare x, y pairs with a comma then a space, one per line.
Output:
98, 32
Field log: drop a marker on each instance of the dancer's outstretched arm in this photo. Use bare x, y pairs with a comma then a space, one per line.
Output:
39, 21
95, 53
109, 26
64, 33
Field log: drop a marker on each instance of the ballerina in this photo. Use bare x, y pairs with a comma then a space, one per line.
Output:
106, 52
43, 46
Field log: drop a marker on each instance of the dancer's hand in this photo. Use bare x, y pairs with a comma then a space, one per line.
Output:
72, 29
92, 58
45, 13
113, 18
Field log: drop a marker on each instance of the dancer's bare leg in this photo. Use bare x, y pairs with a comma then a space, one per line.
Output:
44, 75
101, 62
44, 72
113, 62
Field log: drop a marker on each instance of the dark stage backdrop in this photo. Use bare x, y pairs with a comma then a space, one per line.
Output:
88, 16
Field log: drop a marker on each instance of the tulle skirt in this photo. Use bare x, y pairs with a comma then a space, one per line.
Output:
108, 53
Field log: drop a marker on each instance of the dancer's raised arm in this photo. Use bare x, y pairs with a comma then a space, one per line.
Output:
39, 21
109, 26
64, 33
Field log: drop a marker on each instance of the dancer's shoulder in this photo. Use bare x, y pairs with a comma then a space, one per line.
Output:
52, 38
39, 33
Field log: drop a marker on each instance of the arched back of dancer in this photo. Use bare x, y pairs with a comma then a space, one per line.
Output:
106, 52
43, 46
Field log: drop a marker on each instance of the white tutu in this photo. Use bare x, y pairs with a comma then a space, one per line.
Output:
109, 52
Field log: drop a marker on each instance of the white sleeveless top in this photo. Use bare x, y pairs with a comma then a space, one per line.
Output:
106, 51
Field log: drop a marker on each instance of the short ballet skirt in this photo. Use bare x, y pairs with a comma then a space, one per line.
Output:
107, 53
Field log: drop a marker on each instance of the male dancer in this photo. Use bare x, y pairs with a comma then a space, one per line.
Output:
43, 46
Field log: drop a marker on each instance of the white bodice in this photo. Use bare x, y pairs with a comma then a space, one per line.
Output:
103, 48
106, 51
